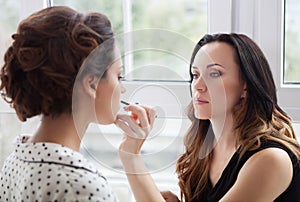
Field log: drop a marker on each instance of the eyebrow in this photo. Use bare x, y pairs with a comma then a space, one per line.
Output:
210, 65
214, 64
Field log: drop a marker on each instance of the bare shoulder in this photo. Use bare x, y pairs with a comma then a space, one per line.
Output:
264, 176
269, 159
272, 164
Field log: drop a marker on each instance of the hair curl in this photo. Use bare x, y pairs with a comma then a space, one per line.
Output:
48, 50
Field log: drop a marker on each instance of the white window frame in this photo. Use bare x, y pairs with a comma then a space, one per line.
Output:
270, 35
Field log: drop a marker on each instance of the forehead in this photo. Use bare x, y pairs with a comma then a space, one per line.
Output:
215, 52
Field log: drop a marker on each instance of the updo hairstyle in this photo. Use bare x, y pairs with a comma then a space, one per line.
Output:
41, 65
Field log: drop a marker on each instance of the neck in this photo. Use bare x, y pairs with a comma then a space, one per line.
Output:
61, 130
223, 130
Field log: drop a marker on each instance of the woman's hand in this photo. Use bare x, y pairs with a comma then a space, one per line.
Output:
136, 127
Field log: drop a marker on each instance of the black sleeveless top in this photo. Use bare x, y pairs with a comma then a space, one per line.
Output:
231, 171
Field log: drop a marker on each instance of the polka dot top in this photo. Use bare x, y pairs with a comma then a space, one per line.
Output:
51, 172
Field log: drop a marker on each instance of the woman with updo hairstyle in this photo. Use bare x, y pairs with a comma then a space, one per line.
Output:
62, 65
42, 63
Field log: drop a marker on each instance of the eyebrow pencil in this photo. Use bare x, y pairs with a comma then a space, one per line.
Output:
124, 102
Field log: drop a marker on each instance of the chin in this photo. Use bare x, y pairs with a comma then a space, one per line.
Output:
201, 116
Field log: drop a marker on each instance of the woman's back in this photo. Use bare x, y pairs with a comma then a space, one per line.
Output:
48, 57
51, 172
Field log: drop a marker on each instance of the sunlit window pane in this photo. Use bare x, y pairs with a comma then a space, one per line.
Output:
185, 21
292, 42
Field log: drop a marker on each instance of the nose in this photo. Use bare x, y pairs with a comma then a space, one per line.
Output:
199, 84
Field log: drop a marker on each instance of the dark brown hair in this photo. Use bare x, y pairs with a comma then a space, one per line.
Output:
41, 65
258, 117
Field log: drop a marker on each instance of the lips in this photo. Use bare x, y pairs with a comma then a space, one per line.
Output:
200, 101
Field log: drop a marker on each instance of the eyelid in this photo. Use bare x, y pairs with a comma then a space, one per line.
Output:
195, 74
194, 71
211, 69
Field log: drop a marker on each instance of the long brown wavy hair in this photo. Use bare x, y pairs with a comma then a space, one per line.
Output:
256, 118
41, 65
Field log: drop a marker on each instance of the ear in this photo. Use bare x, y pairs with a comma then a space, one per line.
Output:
89, 83
244, 93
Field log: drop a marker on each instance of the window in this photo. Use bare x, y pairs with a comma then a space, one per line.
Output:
176, 26
292, 42
159, 37
264, 22
291, 72
149, 44
8, 22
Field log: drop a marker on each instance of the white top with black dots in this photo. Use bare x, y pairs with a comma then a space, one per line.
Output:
51, 172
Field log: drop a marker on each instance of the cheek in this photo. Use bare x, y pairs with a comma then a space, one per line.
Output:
115, 98
225, 95
218, 93
233, 94
106, 109
116, 93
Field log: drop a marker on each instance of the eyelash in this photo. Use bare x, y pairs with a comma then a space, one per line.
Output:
120, 78
194, 76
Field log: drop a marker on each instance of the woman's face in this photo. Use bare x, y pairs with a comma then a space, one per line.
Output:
217, 85
109, 89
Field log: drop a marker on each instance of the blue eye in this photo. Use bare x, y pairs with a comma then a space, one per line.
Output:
215, 74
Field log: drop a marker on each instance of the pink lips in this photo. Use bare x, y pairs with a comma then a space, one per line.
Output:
200, 101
